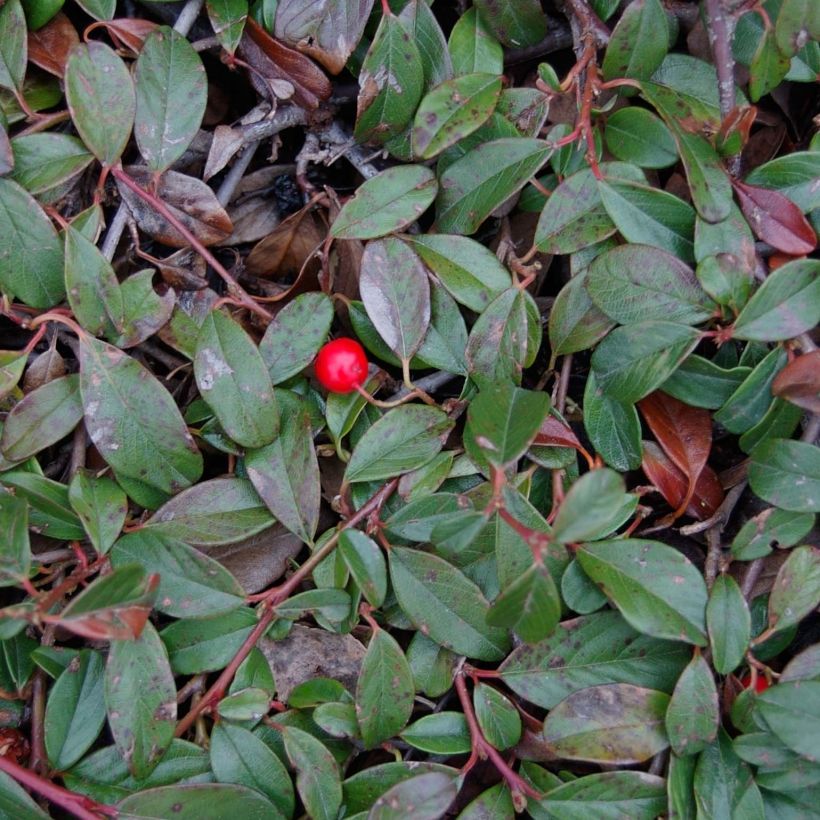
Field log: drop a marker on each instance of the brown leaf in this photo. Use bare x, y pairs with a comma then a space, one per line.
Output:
191, 201
126, 32
673, 485
49, 46
183, 270
275, 61
775, 219
48, 366
684, 433
253, 218
799, 382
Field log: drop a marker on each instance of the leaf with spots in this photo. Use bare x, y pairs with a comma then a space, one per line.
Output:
384, 692
13, 45
234, 381
656, 588
140, 700
693, 715
317, 774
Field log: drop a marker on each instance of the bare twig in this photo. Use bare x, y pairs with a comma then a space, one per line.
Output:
750, 577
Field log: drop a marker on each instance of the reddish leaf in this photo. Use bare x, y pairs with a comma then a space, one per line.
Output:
799, 382
734, 131
672, 484
49, 46
275, 61
126, 32
684, 433
191, 201
775, 219
554, 433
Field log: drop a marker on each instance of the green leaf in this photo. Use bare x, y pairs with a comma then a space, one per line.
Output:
502, 422
452, 111
366, 563
729, 624
285, 473
635, 283
228, 21
656, 588
475, 185
796, 589
424, 29
517, 24
386, 203
93, 290
194, 801
144, 310
140, 699
700, 382
42, 418
233, 379
615, 723
396, 294
403, 439
75, 711
101, 505
442, 733
579, 592
317, 780
639, 42
31, 261
432, 665
135, 425
391, 83
423, 797
650, 216
100, 95
793, 174
49, 510
15, 801
248, 705
293, 338
44, 161
768, 67
332, 604
796, 22
218, 511
239, 756
787, 474
723, 783
13, 45
633, 361
497, 716
593, 503
445, 605
709, 185
494, 804
12, 365
591, 650
693, 715
530, 605
15, 549
384, 691
470, 272
613, 427
191, 584
100, 9
768, 529
575, 323
792, 712
636, 135
473, 47
171, 93
784, 306
505, 338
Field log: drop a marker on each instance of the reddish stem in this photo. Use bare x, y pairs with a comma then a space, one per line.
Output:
234, 288
77, 804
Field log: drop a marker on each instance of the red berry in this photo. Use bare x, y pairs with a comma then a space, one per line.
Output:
341, 365
761, 684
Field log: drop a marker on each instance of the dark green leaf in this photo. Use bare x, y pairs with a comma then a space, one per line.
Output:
693, 715
493, 804
248, 705
135, 425
579, 592
796, 589
793, 174
530, 606
423, 797
768, 67
386, 203
432, 665
101, 505
700, 382
195, 801
497, 717
49, 510
317, 780
593, 504
729, 624
31, 261
44, 161
768, 529
15, 801
656, 588
792, 712
228, 21
473, 47
443, 733
75, 711
633, 361
591, 650
723, 784
575, 323
384, 691
636, 135
366, 563
639, 42
15, 549
233, 379
424, 29
787, 474
293, 338
516, 24
100, 95
615, 723
445, 605
13, 45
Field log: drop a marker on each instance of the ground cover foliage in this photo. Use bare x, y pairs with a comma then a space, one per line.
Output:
563, 563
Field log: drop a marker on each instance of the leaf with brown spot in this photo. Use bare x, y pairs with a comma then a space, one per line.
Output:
799, 382
775, 219
189, 199
673, 485
49, 46
684, 432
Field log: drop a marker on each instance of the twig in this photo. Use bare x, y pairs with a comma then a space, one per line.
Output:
557, 38
713, 555
563, 383
234, 176
187, 17
721, 515
429, 383
812, 429
750, 577
114, 233
335, 136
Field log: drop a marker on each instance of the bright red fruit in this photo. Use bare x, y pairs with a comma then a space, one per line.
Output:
761, 685
341, 365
